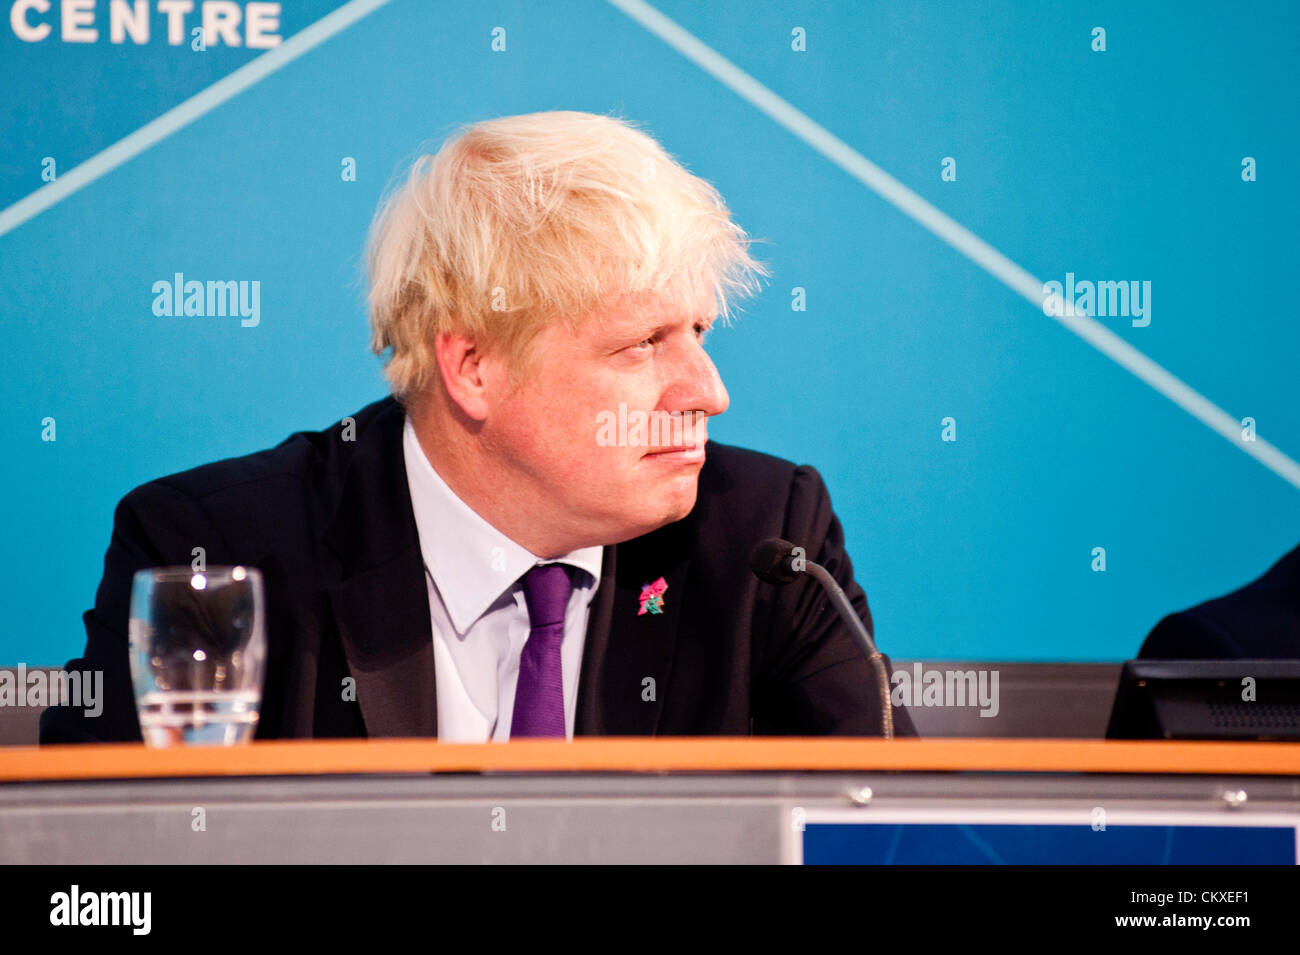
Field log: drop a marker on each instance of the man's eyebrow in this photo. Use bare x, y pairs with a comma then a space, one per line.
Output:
650, 329
705, 320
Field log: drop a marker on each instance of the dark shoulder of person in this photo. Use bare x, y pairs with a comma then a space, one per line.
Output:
1260, 621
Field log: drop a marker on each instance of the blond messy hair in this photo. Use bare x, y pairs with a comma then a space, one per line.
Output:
524, 220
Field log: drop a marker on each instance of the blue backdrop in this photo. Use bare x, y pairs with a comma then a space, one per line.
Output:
1117, 164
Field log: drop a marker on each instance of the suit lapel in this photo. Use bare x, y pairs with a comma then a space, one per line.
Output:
379, 597
590, 720
624, 650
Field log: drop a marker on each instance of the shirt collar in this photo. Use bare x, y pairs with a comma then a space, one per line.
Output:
471, 562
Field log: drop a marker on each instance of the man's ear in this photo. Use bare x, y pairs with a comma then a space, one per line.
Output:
460, 362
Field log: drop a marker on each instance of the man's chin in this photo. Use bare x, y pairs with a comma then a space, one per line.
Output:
670, 511
679, 504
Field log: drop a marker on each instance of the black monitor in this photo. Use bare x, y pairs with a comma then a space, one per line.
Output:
1207, 699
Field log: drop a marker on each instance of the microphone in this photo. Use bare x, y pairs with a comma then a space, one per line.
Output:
779, 562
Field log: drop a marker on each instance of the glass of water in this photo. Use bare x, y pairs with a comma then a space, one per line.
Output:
198, 654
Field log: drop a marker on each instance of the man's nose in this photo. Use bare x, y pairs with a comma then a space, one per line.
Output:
699, 387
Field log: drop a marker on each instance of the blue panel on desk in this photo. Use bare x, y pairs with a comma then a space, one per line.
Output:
947, 844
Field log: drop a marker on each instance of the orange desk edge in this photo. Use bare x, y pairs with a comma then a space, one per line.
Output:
639, 754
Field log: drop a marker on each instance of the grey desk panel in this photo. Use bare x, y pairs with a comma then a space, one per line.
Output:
498, 818
1042, 700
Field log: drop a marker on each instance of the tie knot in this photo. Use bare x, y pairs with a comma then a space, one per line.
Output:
546, 591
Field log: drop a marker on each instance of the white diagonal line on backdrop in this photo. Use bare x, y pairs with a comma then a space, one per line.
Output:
185, 113
1016, 278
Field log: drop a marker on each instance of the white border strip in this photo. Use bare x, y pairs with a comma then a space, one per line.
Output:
185, 113
1016, 278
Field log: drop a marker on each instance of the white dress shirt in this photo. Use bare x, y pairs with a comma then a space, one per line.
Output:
477, 608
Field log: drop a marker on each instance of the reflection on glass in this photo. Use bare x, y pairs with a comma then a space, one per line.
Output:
198, 654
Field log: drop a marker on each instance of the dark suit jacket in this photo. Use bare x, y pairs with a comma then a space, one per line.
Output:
329, 522
1261, 621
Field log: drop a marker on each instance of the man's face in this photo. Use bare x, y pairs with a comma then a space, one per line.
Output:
586, 432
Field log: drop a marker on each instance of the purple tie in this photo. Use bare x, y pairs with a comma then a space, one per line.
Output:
539, 694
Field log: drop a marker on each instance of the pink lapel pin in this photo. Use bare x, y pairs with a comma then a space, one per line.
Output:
652, 597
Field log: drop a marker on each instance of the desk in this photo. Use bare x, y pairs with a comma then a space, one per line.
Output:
647, 800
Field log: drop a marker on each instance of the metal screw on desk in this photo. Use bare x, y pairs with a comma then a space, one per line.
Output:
1234, 798
860, 797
